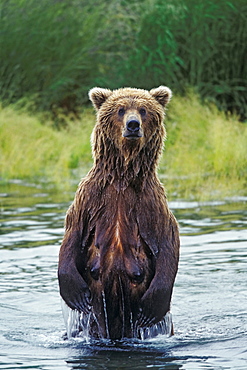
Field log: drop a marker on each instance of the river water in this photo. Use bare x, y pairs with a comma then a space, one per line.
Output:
209, 302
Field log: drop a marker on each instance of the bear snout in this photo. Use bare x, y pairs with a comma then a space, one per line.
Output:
133, 128
133, 125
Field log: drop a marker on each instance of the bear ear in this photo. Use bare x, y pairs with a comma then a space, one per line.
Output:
162, 94
98, 96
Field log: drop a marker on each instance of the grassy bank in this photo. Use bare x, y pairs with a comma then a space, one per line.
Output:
205, 155
206, 152
32, 150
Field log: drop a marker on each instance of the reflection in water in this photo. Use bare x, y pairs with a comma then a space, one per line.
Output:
125, 356
209, 302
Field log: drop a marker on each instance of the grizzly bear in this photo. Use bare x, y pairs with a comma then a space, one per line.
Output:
119, 256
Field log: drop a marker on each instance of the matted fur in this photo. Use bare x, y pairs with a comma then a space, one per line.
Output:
120, 251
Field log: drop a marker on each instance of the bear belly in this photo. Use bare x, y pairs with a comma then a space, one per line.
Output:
117, 277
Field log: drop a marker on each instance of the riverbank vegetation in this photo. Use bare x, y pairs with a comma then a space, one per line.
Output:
53, 52
205, 153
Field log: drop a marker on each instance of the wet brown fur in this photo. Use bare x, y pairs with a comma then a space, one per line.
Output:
120, 251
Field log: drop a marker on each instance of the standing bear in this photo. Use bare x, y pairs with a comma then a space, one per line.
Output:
119, 256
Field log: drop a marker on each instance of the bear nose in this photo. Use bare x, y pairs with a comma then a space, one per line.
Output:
133, 125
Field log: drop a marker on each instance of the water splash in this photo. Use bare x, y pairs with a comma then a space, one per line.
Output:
76, 323
79, 324
132, 324
164, 327
105, 312
123, 304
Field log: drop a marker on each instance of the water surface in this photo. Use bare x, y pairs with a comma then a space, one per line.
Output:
209, 301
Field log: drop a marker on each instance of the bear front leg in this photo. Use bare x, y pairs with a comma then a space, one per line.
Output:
155, 304
156, 301
73, 288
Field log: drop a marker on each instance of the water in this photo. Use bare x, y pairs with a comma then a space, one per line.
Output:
209, 301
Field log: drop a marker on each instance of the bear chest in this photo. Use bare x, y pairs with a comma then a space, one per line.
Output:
117, 256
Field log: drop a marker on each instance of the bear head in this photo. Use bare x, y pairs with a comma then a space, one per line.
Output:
128, 118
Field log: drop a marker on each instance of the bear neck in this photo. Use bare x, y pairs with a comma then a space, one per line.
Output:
121, 172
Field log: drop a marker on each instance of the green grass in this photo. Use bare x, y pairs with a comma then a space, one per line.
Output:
31, 150
205, 153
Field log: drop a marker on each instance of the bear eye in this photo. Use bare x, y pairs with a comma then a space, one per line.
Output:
121, 111
142, 112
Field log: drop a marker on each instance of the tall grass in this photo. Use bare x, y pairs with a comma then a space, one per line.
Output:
200, 43
49, 51
205, 153
53, 51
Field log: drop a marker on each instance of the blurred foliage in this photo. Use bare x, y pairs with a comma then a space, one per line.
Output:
199, 43
49, 51
53, 51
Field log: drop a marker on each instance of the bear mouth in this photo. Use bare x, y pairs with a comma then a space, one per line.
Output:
132, 136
